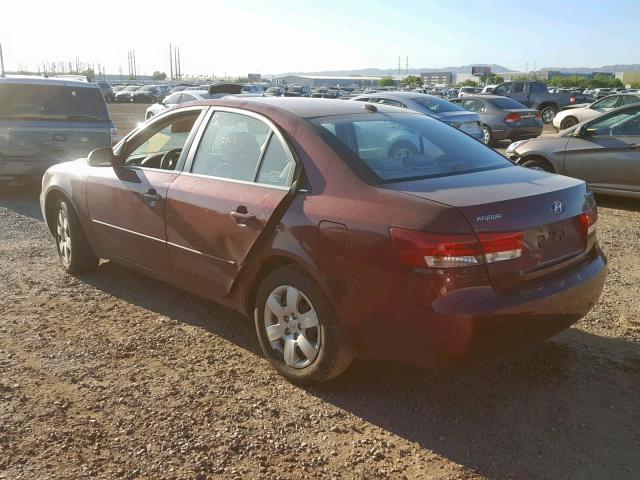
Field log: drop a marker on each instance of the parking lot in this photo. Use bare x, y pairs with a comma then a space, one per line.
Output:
114, 375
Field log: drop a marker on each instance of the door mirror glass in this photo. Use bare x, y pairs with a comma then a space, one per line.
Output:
101, 157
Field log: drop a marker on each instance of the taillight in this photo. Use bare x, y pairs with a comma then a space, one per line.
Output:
436, 250
538, 115
114, 135
572, 99
512, 117
588, 221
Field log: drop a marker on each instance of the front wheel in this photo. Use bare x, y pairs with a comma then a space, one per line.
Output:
568, 123
539, 165
297, 328
72, 246
487, 137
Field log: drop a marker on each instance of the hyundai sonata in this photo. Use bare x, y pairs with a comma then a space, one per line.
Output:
344, 229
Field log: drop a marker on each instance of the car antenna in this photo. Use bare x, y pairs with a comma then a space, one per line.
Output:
370, 108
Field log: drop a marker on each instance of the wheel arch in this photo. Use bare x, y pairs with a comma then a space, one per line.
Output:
51, 198
538, 158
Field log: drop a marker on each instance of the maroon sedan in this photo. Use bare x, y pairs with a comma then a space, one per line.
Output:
346, 230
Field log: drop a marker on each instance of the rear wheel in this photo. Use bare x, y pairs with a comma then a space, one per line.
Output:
297, 328
548, 113
538, 164
568, 123
72, 246
487, 136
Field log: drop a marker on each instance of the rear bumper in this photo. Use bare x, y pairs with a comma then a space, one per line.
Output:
517, 133
30, 168
477, 322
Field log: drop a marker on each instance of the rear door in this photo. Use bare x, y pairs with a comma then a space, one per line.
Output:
127, 207
609, 157
238, 173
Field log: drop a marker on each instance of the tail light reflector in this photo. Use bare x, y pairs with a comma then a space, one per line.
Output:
512, 117
538, 115
572, 99
422, 249
588, 221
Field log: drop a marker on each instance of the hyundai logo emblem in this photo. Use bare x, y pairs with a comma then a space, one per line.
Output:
557, 207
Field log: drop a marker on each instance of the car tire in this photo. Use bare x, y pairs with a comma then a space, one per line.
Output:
72, 246
487, 136
568, 122
538, 164
303, 342
402, 149
548, 113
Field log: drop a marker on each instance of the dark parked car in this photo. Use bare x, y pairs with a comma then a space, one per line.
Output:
605, 152
435, 107
534, 94
297, 213
298, 91
502, 117
46, 121
150, 94
275, 92
107, 91
124, 95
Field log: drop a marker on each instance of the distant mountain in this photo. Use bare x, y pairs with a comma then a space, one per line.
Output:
379, 72
635, 67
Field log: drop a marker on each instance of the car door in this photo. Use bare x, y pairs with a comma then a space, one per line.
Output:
608, 155
127, 205
237, 174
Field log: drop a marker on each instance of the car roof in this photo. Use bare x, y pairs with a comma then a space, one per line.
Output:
32, 80
400, 95
483, 97
301, 107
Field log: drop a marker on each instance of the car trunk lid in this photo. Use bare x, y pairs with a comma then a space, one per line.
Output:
546, 208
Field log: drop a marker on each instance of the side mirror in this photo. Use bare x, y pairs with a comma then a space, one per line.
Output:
101, 157
585, 131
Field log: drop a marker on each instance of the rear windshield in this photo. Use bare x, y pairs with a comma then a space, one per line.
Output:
506, 103
395, 147
436, 105
51, 102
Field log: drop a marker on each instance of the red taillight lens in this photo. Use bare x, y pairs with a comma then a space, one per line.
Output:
588, 221
421, 249
501, 246
512, 117
572, 99
538, 115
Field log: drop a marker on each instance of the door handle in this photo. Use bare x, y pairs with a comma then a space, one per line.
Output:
151, 195
241, 214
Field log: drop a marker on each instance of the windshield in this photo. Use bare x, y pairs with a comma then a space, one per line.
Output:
396, 147
436, 105
507, 103
51, 102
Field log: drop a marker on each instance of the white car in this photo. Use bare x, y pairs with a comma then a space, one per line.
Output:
174, 99
579, 113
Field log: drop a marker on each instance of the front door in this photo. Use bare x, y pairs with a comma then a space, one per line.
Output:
226, 198
609, 155
127, 207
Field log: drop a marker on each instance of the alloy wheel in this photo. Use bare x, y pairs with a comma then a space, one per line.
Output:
548, 115
292, 326
486, 135
63, 236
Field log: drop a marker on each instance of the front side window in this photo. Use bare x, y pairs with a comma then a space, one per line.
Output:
160, 144
231, 147
172, 99
396, 147
436, 105
504, 89
625, 123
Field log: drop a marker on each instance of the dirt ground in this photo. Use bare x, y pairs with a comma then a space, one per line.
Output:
114, 375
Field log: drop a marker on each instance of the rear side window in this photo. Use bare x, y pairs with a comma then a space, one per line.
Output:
629, 99
396, 147
276, 167
51, 102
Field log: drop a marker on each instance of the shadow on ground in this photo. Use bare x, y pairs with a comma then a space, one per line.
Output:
567, 409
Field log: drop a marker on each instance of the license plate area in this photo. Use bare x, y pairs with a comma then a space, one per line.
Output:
553, 241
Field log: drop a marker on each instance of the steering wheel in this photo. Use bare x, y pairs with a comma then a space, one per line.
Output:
170, 159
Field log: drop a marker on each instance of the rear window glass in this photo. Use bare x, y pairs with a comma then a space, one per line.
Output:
49, 102
396, 147
507, 103
436, 105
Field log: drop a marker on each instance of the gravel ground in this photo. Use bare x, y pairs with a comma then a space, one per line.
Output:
115, 375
